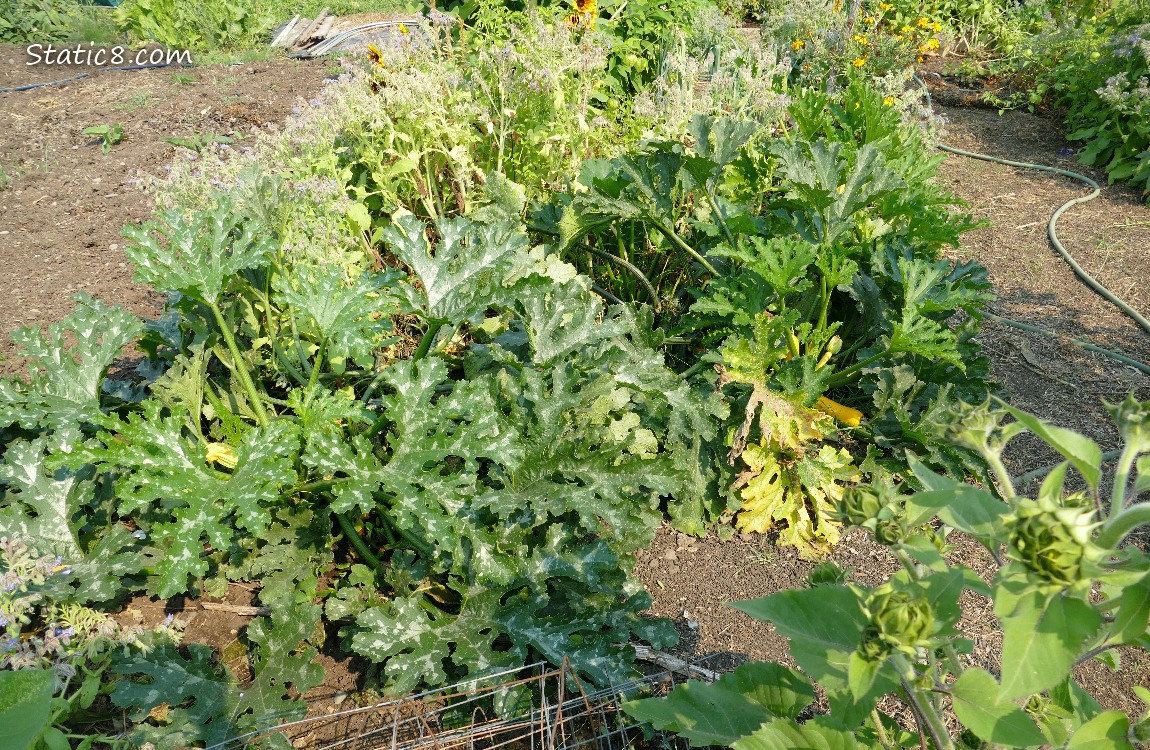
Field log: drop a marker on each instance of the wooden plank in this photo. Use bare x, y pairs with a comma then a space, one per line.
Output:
290, 39
286, 32
325, 28
306, 35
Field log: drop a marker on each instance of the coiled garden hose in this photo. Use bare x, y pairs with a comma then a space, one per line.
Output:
1052, 235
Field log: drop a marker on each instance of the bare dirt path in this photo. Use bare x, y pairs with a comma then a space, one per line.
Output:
63, 202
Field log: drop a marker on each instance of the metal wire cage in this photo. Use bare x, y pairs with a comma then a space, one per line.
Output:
536, 707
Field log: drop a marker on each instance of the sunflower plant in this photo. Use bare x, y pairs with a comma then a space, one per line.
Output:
1067, 590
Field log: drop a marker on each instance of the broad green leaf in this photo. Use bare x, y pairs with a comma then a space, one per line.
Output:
285, 559
67, 366
916, 334
942, 590
719, 139
183, 385
1133, 615
830, 189
923, 550
732, 707
282, 661
1109, 730
428, 429
351, 317
201, 252
1082, 452
1070, 697
784, 734
498, 627
462, 273
205, 704
199, 693
861, 674
992, 717
160, 466
40, 502
825, 625
25, 703
45, 504
963, 506
566, 319
1042, 638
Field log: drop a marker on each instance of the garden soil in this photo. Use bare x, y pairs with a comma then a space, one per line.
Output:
63, 203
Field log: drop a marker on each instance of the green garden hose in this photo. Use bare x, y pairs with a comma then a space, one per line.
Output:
1052, 234
1051, 226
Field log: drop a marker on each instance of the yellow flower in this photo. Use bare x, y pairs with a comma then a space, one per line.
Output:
906, 29
375, 55
584, 15
859, 62
861, 39
888, 101
222, 454
923, 49
870, 20
403, 29
932, 44
798, 44
923, 22
936, 26
885, 6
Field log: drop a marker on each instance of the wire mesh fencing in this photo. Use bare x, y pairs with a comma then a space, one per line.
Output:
536, 707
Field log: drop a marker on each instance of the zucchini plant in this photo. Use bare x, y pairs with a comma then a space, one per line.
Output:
823, 288
479, 485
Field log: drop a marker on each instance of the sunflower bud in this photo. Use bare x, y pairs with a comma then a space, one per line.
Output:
860, 504
889, 532
976, 427
899, 622
1053, 542
1133, 418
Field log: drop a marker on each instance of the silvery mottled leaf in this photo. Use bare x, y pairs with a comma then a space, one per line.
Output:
159, 465
200, 252
64, 378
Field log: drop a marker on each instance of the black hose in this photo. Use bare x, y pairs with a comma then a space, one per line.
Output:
31, 86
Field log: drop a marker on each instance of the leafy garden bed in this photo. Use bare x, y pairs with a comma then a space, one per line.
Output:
440, 357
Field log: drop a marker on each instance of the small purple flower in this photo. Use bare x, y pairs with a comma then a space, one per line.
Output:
1066, 151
